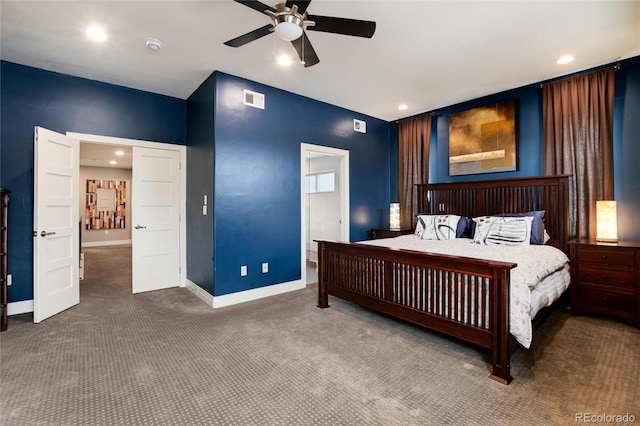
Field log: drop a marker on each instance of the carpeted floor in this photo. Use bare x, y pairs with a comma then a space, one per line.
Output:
165, 358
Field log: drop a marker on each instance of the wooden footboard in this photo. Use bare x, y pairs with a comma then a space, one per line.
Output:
462, 297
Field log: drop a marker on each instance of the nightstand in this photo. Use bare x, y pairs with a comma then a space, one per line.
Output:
377, 233
604, 278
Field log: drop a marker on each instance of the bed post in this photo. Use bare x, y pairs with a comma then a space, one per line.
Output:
501, 353
323, 296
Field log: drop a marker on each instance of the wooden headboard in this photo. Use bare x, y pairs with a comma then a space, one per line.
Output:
515, 195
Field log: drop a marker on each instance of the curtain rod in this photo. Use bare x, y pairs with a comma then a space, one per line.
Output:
615, 66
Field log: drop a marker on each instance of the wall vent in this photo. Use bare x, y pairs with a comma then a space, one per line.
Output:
359, 126
253, 99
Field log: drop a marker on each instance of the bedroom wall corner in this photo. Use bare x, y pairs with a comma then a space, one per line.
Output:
200, 183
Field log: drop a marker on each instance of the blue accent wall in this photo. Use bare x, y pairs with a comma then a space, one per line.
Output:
626, 134
32, 97
257, 179
200, 178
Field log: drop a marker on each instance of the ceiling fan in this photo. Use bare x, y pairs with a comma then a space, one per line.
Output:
289, 22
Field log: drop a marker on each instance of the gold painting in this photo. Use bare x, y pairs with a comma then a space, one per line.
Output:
106, 204
483, 140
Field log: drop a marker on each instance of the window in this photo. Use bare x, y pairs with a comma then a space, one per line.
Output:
320, 182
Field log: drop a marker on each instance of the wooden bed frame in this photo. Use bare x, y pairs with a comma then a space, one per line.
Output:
400, 283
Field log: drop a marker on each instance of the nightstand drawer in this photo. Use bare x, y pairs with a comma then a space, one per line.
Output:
604, 257
608, 300
624, 278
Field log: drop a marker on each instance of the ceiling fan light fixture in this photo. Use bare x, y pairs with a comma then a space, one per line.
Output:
288, 27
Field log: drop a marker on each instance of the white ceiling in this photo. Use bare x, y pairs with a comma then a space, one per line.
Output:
426, 54
100, 155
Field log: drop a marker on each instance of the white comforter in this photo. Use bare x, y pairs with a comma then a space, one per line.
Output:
535, 263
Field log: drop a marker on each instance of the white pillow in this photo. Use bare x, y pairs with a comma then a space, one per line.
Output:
437, 227
483, 226
512, 231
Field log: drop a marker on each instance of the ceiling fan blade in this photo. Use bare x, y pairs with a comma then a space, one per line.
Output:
250, 36
256, 5
302, 5
346, 26
302, 44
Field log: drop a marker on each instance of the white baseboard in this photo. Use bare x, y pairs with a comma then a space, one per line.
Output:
17, 308
106, 243
200, 292
256, 293
243, 296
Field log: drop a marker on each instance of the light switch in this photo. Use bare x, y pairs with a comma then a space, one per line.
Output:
204, 210
204, 200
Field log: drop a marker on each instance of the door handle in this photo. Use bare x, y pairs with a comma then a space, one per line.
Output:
140, 227
45, 233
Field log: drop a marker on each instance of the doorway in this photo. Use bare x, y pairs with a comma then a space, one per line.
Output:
153, 162
158, 244
325, 201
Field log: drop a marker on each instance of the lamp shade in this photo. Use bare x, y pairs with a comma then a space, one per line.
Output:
394, 216
606, 221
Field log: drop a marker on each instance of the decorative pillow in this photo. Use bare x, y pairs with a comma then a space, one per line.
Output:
437, 227
512, 231
481, 227
537, 226
462, 230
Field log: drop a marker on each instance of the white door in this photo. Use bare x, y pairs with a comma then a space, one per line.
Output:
55, 253
155, 237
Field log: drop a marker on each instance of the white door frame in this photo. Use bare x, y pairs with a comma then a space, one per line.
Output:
344, 188
110, 140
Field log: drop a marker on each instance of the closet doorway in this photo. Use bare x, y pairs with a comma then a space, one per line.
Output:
325, 201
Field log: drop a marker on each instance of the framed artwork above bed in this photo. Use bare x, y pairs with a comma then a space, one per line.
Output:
483, 139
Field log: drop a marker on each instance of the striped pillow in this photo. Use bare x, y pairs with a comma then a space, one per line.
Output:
513, 231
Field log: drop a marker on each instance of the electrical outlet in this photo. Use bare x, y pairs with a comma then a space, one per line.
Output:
9, 280
243, 271
265, 267
106, 232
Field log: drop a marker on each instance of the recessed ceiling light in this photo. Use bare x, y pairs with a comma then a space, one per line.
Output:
96, 33
402, 107
113, 162
285, 61
565, 59
118, 152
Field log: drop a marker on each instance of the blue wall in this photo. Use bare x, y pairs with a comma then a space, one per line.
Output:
257, 179
529, 98
200, 177
31, 97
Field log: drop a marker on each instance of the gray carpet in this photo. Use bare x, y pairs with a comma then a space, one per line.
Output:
166, 358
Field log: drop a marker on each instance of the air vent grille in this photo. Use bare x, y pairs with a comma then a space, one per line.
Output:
359, 126
254, 99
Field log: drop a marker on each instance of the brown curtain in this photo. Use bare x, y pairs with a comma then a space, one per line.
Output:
414, 135
578, 140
